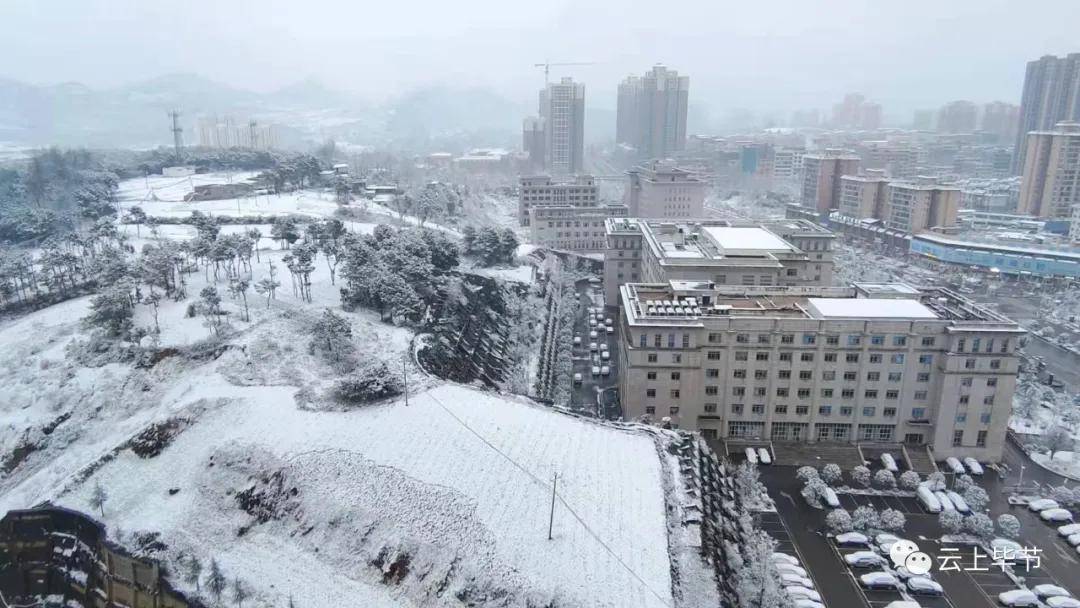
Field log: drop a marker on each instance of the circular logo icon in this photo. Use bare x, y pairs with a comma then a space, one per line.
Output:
900, 550
918, 563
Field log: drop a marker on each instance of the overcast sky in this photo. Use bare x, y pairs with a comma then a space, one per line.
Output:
763, 55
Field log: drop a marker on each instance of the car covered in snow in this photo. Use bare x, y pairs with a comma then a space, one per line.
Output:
889, 463
605, 355
1018, 598
592, 346
792, 568
1056, 515
884, 541
764, 456
957, 501
864, 559
879, 580
799, 592
852, 539
605, 370
577, 378
1047, 590
806, 603
610, 329
1042, 504
973, 466
955, 465
946, 504
1062, 602
751, 455
921, 585
1073, 539
830, 498
927, 498
577, 340
593, 334
788, 578
778, 557
596, 370
1068, 530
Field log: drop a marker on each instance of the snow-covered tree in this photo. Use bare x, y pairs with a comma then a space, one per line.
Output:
239, 592
980, 525
909, 480
748, 484
885, 479
892, 520
112, 311
98, 497
331, 338
137, 216
238, 288
976, 498
838, 521
813, 491
1008, 525
371, 380
757, 580
806, 473
268, 285
193, 571
832, 474
865, 518
211, 305
951, 521
256, 236
861, 474
1057, 439
1065, 496
936, 481
962, 483
215, 580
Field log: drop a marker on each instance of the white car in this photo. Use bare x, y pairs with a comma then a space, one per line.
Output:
610, 329
954, 465
973, 466
946, 504
1056, 515
605, 371
596, 370
903, 604
592, 322
1018, 597
792, 568
958, 502
1047, 590
1043, 504
577, 378
593, 334
889, 463
751, 455
796, 592
920, 585
764, 456
787, 578
1069, 529
864, 559
905, 574
830, 498
605, 355
608, 321
577, 340
852, 539
807, 603
879, 580
779, 557
884, 541
592, 346
1063, 602
1073, 539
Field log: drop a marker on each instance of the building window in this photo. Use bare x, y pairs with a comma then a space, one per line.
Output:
923, 377
969, 363
928, 341
832, 340
710, 408
785, 357
854, 340
961, 417
686, 340
828, 376
991, 382
894, 376
995, 364
926, 359
985, 418
847, 393
760, 391
899, 341
781, 392
852, 358
657, 340
780, 409
873, 376
849, 376
980, 439
742, 338
787, 339
806, 357
650, 392
736, 408
738, 373
761, 356
825, 410
761, 374
809, 339
651, 375
889, 412
804, 393
757, 408
673, 410
920, 395
741, 355
846, 410
671, 340
830, 357
784, 374
763, 338
674, 393
676, 375
918, 413
875, 358
712, 372
988, 400
892, 394
877, 340
652, 357
650, 409
802, 410
715, 338
676, 358
898, 358
960, 345
714, 355
958, 438
869, 411
806, 374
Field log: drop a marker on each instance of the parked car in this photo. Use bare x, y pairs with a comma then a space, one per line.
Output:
1069, 529
1047, 590
864, 559
879, 580
928, 500
885, 540
955, 465
831, 498
1018, 597
593, 334
794, 579
592, 346
1063, 602
889, 463
778, 557
577, 340
904, 574
1043, 504
958, 502
592, 322
596, 370
920, 585
946, 504
1056, 515
796, 592
751, 455
764, 456
608, 321
605, 371
577, 378
792, 568
807, 603
973, 466
903, 604
605, 355
1073, 539
610, 329
852, 539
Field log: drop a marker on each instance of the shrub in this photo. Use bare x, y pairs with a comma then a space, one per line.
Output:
885, 479
1009, 525
838, 521
951, 521
368, 383
909, 480
806, 473
861, 475
832, 473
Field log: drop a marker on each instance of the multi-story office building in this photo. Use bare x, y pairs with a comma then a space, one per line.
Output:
1051, 95
921, 205
821, 178
533, 138
864, 196
659, 189
651, 112
1051, 183
562, 117
867, 363
856, 113
787, 163
1000, 119
543, 191
778, 252
570, 228
957, 117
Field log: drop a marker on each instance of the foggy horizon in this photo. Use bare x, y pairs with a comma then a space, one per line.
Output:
769, 59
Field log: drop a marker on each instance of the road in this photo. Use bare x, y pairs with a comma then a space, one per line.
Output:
1063, 364
585, 396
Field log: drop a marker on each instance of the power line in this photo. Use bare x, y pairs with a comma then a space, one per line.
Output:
562, 500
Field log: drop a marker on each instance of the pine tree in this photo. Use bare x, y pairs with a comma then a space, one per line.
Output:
215, 580
98, 498
193, 572
239, 592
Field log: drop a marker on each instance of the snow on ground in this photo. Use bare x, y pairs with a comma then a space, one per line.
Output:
1064, 463
517, 274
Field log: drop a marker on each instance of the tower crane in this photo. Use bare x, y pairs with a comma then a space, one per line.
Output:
547, 67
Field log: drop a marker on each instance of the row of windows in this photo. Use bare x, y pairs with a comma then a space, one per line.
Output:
808, 357
958, 438
797, 431
809, 339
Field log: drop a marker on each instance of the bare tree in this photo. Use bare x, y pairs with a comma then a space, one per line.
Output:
98, 498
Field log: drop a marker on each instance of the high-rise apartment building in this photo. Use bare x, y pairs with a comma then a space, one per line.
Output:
659, 189
776, 252
1051, 95
651, 112
856, 113
533, 141
562, 120
1051, 183
864, 196
1000, 119
957, 117
921, 204
543, 191
821, 178
880, 363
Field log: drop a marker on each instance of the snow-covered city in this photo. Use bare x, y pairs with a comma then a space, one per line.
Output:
395, 315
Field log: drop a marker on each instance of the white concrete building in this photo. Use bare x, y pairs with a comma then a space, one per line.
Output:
661, 190
542, 191
570, 228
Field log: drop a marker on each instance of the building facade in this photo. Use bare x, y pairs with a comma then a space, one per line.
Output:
863, 196
570, 228
1051, 183
533, 138
921, 205
779, 252
661, 190
651, 113
957, 117
1051, 95
821, 178
869, 363
562, 110
544, 191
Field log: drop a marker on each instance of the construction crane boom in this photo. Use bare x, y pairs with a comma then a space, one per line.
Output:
547, 66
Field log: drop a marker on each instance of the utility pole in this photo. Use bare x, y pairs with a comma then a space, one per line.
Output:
405, 376
551, 517
177, 131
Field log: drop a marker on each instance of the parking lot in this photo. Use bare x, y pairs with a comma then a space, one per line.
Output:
595, 393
